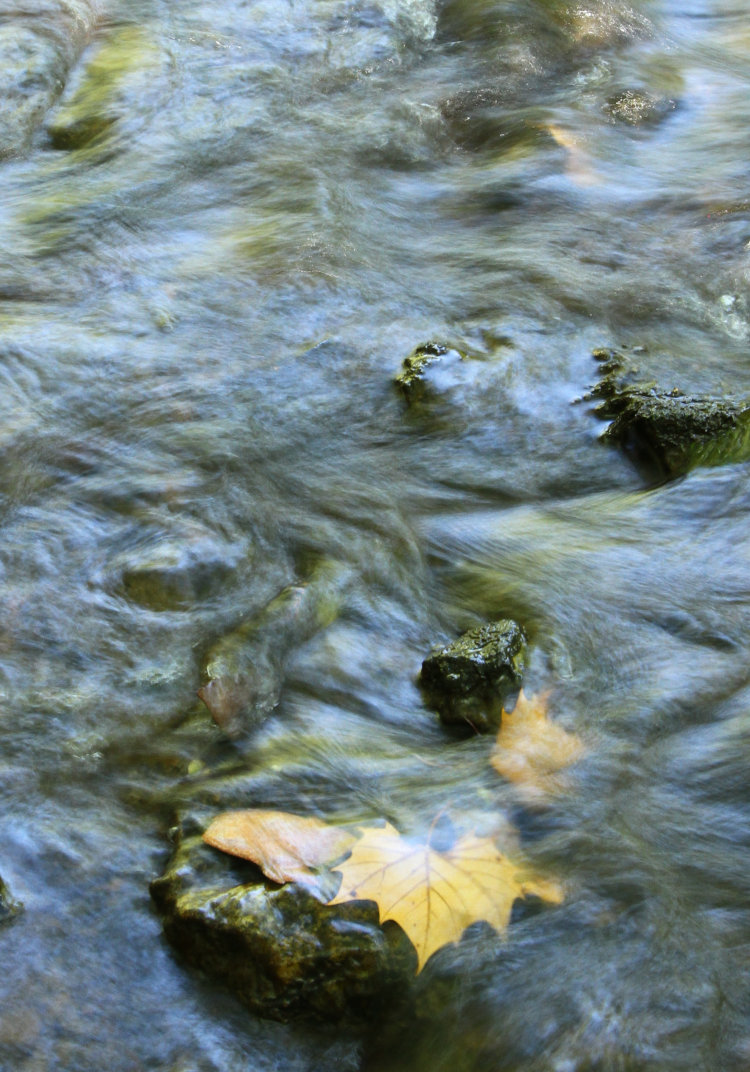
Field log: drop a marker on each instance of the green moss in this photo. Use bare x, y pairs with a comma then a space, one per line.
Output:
413, 378
666, 431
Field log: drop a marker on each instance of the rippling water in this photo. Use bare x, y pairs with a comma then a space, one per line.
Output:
205, 297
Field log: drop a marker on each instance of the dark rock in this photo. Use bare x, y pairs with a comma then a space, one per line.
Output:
490, 119
8, 907
423, 367
467, 681
666, 432
282, 951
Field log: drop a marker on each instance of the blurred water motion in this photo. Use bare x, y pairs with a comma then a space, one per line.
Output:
224, 227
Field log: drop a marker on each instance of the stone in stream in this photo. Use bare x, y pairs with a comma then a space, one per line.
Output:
39, 43
120, 71
279, 949
244, 670
467, 680
666, 431
638, 108
8, 907
427, 366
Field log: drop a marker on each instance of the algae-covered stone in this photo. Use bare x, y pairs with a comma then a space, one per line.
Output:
636, 107
8, 907
119, 71
425, 366
467, 680
666, 431
281, 950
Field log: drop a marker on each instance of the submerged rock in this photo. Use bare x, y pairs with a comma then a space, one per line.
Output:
491, 118
176, 575
425, 367
467, 680
244, 670
638, 108
278, 948
119, 71
666, 431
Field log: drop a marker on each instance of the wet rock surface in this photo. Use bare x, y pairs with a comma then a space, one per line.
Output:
636, 107
466, 681
281, 950
667, 432
487, 119
428, 367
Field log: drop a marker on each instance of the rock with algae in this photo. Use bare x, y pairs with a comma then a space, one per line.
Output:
120, 70
666, 431
638, 108
426, 366
467, 680
280, 949
8, 907
177, 574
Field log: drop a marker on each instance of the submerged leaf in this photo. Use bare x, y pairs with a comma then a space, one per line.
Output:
286, 847
435, 896
531, 750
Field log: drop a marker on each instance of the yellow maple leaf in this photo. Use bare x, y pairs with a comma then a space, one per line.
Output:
286, 847
435, 896
531, 750
578, 164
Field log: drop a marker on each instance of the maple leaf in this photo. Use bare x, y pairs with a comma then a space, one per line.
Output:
530, 750
435, 896
286, 847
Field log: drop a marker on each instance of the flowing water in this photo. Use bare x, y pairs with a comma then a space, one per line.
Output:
205, 297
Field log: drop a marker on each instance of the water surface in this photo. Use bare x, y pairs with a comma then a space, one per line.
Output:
204, 302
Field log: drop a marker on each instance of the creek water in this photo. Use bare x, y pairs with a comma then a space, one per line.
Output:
203, 308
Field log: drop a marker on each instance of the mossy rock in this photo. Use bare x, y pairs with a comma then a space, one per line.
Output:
281, 950
8, 907
116, 69
424, 367
466, 681
667, 432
